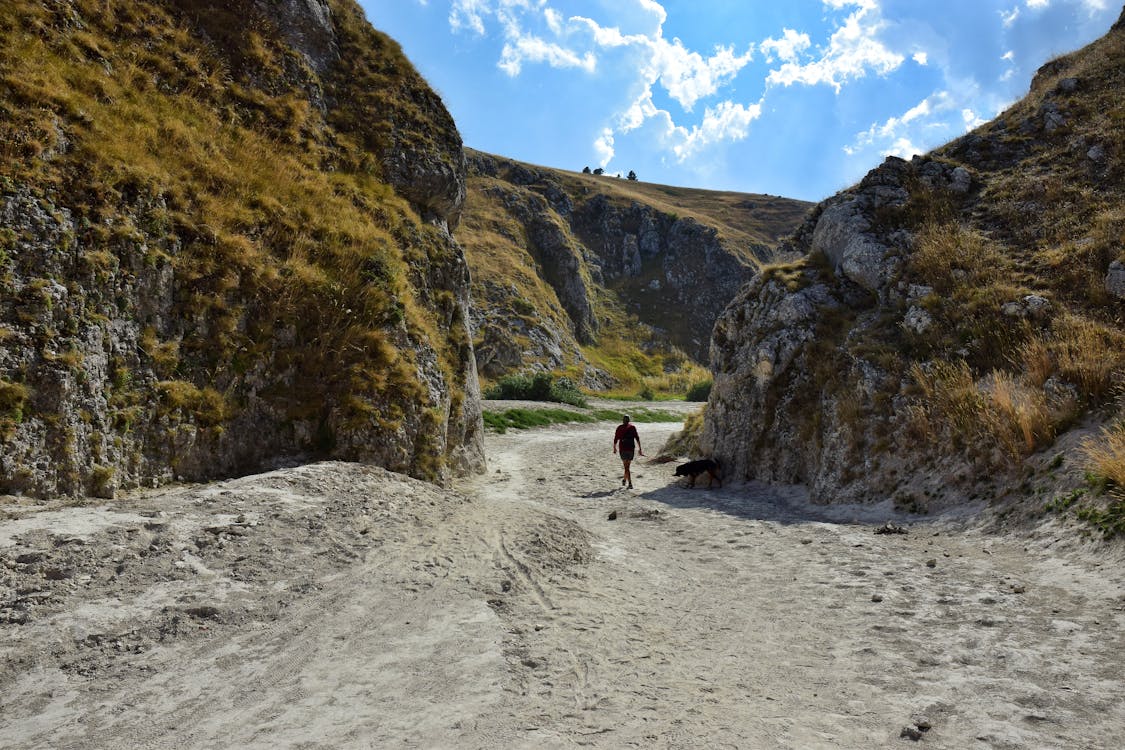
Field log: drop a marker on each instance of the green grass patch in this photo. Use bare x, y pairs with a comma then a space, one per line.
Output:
1108, 518
523, 419
638, 415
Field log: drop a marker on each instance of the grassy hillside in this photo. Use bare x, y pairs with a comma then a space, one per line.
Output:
646, 338
981, 351
742, 220
231, 241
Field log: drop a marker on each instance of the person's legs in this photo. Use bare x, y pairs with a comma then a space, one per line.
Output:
628, 477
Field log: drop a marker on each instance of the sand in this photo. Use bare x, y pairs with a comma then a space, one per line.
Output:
338, 606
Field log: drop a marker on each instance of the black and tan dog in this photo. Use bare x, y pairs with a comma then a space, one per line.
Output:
700, 466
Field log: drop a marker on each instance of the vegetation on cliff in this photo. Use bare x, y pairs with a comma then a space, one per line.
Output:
210, 252
614, 283
960, 313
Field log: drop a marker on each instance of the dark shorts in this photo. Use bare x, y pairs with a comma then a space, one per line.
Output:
626, 455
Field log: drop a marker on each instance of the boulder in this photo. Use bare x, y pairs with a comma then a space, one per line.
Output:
1115, 280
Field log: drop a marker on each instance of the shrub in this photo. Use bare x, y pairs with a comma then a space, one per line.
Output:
13, 402
539, 387
206, 406
686, 441
13, 398
699, 391
646, 393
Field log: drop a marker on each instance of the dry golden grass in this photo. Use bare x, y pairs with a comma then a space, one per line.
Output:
1045, 223
1022, 418
951, 255
999, 410
1105, 458
1089, 354
1105, 454
686, 441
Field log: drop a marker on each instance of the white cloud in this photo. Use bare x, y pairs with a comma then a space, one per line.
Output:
921, 58
852, 51
554, 20
530, 48
535, 32
603, 146
469, 14
895, 133
656, 9
686, 75
1036, 4
1009, 56
861, 4
971, 120
787, 48
1009, 17
728, 121
902, 147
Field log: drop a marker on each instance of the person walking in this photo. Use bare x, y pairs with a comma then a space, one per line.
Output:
625, 436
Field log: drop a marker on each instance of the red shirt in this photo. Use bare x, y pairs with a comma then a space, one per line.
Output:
626, 434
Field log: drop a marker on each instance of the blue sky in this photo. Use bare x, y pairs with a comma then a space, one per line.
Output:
797, 98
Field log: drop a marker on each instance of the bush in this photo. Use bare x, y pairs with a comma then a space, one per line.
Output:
699, 392
686, 441
539, 387
646, 394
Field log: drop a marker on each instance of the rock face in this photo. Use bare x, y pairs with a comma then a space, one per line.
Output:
587, 243
672, 267
211, 299
927, 342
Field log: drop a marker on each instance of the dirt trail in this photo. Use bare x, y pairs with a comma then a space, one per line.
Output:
333, 606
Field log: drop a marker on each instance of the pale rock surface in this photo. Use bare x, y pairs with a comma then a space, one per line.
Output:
1115, 279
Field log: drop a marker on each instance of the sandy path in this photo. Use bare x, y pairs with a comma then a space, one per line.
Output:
333, 606
738, 618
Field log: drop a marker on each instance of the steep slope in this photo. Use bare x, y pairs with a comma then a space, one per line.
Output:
610, 280
224, 238
952, 316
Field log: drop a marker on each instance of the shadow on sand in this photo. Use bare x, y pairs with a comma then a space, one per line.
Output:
784, 504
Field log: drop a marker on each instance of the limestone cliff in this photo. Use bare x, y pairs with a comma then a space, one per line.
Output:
224, 240
564, 262
952, 316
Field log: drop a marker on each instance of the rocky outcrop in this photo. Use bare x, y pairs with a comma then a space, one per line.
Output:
557, 253
587, 242
673, 268
928, 340
181, 323
1115, 280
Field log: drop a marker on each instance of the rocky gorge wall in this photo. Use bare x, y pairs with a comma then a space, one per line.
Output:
214, 264
952, 317
594, 248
